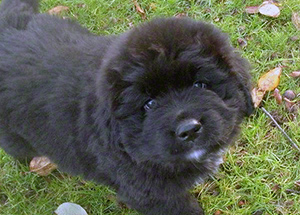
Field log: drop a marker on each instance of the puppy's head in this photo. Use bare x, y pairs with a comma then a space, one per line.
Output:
177, 90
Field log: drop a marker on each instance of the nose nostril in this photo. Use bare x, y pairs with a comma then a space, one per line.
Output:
183, 135
188, 130
197, 128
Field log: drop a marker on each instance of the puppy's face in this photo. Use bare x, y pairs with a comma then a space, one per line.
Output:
178, 91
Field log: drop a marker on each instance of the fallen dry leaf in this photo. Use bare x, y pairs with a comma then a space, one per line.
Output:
268, 8
270, 80
42, 166
277, 96
296, 20
139, 9
267, 82
58, 9
257, 96
251, 9
295, 74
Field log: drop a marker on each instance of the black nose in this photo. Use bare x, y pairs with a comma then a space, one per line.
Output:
188, 130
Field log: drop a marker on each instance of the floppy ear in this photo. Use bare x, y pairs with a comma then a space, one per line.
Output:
248, 98
115, 86
239, 68
218, 45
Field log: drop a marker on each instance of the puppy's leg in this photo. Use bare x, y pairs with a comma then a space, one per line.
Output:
16, 146
161, 205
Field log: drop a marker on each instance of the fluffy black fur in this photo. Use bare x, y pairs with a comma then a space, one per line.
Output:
113, 108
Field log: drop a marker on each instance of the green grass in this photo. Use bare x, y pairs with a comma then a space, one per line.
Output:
258, 169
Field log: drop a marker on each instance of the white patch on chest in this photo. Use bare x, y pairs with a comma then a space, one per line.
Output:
196, 155
212, 163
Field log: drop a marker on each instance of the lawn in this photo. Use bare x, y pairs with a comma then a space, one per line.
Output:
261, 169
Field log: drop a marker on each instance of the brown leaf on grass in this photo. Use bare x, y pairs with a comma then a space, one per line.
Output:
267, 82
251, 9
58, 10
270, 80
277, 96
257, 96
296, 20
295, 74
42, 166
139, 9
269, 8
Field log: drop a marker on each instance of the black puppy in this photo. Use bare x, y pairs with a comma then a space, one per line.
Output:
149, 112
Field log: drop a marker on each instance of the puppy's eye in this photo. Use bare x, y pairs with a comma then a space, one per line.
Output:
199, 84
150, 104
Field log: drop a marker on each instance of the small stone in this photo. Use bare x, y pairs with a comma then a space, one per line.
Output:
68, 208
242, 42
289, 94
294, 38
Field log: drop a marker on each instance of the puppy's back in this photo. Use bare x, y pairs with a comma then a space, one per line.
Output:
47, 69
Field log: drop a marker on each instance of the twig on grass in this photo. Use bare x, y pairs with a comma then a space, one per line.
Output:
280, 128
